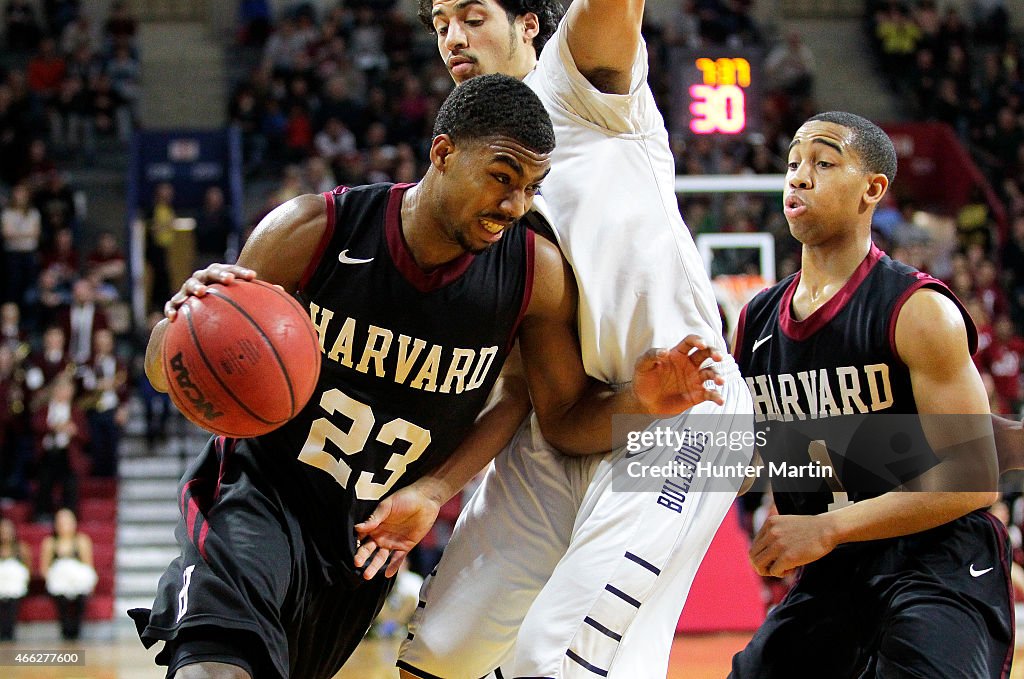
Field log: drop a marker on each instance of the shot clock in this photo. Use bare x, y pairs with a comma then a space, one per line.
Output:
717, 91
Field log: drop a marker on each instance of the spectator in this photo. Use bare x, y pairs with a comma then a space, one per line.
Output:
69, 115
899, 37
65, 561
123, 69
159, 238
46, 71
111, 116
60, 13
991, 21
15, 435
38, 166
393, 620
56, 204
156, 404
246, 114
43, 367
683, 29
213, 228
47, 299
335, 142
953, 30
927, 18
1003, 361
790, 67
22, 27
119, 29
337, 102
105, 381
283, 47
61, 436
254, 17
13, 131
1013, 265
12, 334
79, 34
291, 185
989, 290
298, 133
82, 63
22, 230
319, 175
82, 319
15, 559
107, 265
366, 43
61, 259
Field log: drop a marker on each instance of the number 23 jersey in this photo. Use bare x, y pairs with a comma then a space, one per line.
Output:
408, 359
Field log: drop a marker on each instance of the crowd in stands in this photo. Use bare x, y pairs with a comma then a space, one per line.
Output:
964, 70
67, 81
64, 383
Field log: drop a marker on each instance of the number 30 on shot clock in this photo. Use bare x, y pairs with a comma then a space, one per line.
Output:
718, 93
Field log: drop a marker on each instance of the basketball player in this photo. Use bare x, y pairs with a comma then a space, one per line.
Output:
546, 559
893, 584
417, 293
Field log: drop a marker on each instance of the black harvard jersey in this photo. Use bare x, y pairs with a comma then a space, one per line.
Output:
408, 359
818, 383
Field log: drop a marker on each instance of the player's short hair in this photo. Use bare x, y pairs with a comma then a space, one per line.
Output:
548, 13
871, 143
496, 105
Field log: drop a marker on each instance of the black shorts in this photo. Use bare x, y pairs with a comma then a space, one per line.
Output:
933, 605
248, 570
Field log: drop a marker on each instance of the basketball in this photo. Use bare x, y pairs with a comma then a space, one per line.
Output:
241, 360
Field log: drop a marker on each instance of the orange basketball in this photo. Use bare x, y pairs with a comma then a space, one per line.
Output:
241, 360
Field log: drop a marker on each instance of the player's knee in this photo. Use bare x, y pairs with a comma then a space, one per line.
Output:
211, 670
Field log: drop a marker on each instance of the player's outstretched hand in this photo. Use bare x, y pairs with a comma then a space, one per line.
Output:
195, 285
398, 523
788, 541
670, 381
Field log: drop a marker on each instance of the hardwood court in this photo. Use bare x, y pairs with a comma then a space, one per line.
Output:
694, 657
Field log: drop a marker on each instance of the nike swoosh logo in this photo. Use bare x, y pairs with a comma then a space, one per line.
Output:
978, 574
635, 453
759, 342
345, 259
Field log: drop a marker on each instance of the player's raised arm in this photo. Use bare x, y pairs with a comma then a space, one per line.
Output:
931, 339
278, 251
603, 37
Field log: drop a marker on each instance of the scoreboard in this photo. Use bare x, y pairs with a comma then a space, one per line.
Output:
716, 91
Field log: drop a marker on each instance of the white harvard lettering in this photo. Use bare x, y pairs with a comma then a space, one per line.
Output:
464, 369
809, 393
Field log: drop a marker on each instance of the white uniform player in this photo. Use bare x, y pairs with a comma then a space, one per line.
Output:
549, 572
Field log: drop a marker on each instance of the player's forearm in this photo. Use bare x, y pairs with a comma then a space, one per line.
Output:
587, 426
1009, 435
494, 428
154, 357
901, 513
